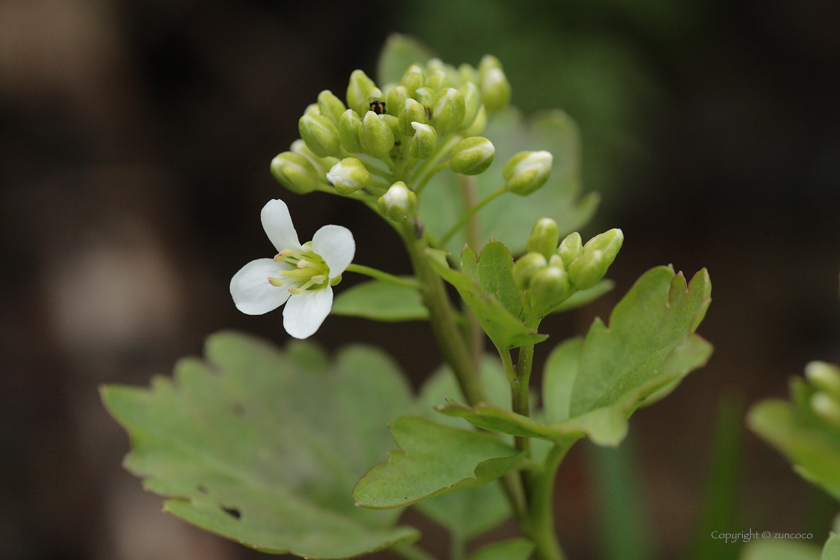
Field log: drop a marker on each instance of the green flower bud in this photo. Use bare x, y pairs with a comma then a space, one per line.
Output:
436, 80
312, 109
544, 237
425, 96
330, 106
472, 155
373, 94
350, 129
321, 165
357, 91
396, 100
377, 138
467, 74
411, 112
495, 88
320, 135
526, 172
570, 248
588, 269
448, 112
825, 377
348, 176
826, 408
424, 142
434, 64
549, 287
393, 123
295, 172
398, 203
413, 79
478, 125
472, 103
608, 243
526, 267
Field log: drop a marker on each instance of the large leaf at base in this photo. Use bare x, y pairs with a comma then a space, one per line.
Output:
510, 218
433, 459
381, 301
504, 329
263, 446
779, 550
591, 386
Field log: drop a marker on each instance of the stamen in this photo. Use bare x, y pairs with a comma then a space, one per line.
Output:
276, 282
282, 255
319, 279
294, 291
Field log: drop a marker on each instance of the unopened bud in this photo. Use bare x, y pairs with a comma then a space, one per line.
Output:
526, 172
495, 90
411, 112
472, 103
570, 248
330, 106
544, 237
825, 377
549, 287
448, 112
437, 79
424, 142
348, 176
588, 269
526, 267
425, 96
826, 408
321, 164
467, 74
472, 155
478, 125
413, 79
396, 100
609, 243
320, 135
295, 172
398, 203
377, 138
350, 129
357, 91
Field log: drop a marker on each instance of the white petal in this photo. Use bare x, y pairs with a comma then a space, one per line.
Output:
305, 312
336, 246
252, 293
278, 225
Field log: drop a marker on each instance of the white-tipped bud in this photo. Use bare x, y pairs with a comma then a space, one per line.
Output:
424, 142
348, 176
398, 203
526, 172
472, 156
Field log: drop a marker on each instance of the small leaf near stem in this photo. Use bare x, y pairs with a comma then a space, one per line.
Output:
384, 276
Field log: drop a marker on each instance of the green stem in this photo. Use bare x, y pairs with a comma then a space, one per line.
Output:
540, 526
411, 552
469, 214
384, 276
422, 184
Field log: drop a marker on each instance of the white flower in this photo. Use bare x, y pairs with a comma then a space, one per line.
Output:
301, 276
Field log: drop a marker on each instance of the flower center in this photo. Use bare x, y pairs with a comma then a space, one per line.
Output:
310, 271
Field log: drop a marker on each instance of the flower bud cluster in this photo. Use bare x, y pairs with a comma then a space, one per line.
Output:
550, 273
825, 401
399, 122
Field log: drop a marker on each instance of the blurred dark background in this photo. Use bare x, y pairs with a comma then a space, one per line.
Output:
135, 138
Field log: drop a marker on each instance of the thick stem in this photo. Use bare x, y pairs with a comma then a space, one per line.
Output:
540, 527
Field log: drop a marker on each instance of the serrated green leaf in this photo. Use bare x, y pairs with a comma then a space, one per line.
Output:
433, 459
779, 550
495, 276
591, 386
505, 330
399, 52
263, 446
510, 217
474, 511
513, 549
381, 301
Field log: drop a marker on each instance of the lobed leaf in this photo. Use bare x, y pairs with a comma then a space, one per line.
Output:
504, 329
433, 459
591, 386
263, 446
